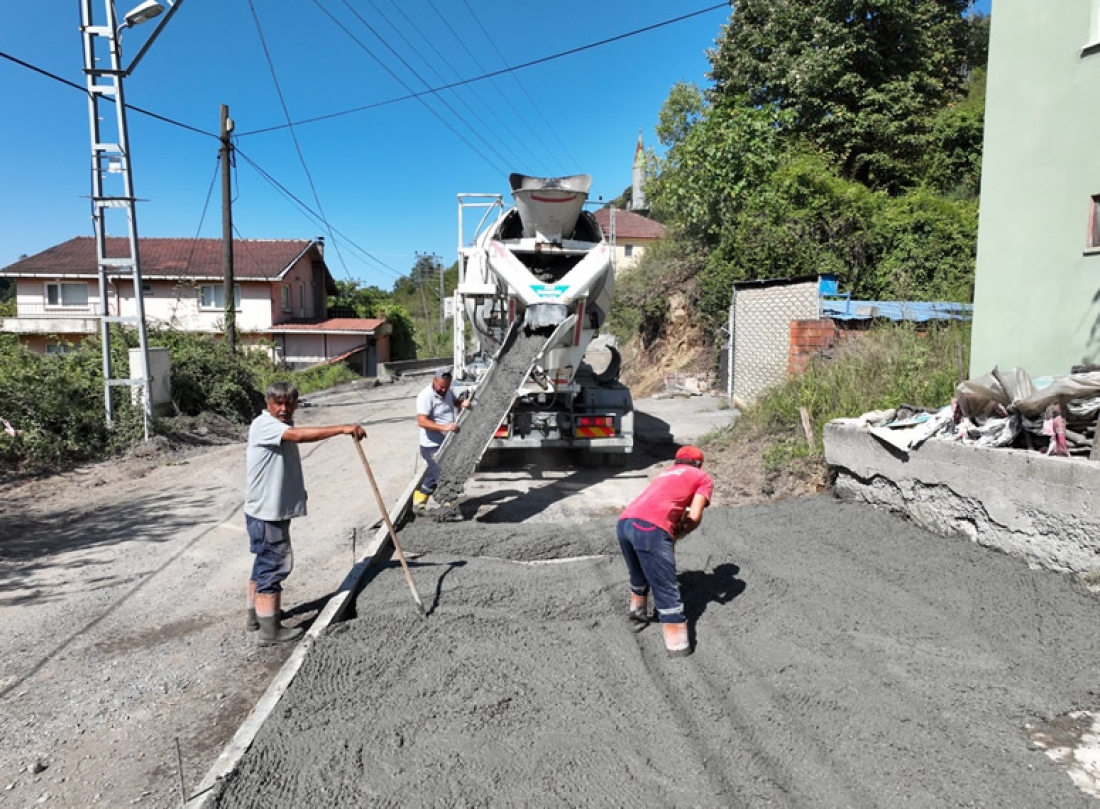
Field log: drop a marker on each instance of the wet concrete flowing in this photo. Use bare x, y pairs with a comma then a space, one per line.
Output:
459, 456
843, 657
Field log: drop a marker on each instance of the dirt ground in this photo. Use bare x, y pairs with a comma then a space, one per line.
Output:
843, 658
122, 601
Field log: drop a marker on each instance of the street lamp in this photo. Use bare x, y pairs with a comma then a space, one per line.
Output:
143, 13
111, 156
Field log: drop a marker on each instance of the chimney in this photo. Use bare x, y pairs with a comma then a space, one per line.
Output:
321, 245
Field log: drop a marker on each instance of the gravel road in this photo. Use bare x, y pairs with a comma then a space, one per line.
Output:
844, 658
122, 605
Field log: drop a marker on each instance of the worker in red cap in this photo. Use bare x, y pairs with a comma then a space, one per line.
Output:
648, 529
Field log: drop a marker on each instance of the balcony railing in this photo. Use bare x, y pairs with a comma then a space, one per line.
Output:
42, 311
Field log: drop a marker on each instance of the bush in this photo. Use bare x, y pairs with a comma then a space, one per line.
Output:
56, 401
56, 404
889, 365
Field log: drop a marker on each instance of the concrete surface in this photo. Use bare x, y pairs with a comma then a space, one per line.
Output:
1043, 509
843, 657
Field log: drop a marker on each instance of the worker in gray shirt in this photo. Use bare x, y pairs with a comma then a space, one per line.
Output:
436, 415
275, 494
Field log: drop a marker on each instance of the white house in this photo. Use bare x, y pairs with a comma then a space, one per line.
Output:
281, 288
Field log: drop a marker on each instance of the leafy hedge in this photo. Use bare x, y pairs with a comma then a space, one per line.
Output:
55, 402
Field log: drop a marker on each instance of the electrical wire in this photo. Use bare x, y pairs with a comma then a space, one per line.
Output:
310, 213
419, 96
501, 123
491, 74
534, 104
294, 136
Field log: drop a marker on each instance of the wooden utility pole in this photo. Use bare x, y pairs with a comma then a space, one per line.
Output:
227, 231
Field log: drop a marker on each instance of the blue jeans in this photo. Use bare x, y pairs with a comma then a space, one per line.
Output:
650, 557
270, 541
431, 477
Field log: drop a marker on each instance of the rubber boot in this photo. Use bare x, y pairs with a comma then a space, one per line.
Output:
639, 614
271, 629
676, 639
252, 625
420, 501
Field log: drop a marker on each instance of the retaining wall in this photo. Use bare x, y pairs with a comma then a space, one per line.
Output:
1044, 509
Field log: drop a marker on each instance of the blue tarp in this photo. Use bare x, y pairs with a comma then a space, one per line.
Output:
919, 311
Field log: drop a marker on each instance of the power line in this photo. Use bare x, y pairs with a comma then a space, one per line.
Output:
294, 135
84, 90
488, 160
534, 104
553, 156
492, 74
288, 194
474, 114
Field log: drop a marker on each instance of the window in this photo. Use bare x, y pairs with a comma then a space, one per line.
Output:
66, 294
212, 296
146, 288
58, 349
284, 296
1093, 242
628, 250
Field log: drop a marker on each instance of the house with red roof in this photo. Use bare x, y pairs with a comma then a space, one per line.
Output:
628, 234
281, 290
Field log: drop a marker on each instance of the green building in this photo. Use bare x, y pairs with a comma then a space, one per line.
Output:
1037, 285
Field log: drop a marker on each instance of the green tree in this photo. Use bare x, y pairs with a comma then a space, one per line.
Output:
363, 301
701, 183
683, 109
403, 334
862, 78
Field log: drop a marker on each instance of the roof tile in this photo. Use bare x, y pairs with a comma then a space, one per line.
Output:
629, 225
253, 259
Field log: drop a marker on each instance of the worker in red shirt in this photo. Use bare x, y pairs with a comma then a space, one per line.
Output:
670, 507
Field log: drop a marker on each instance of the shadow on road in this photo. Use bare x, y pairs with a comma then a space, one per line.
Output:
700, 588
30, 544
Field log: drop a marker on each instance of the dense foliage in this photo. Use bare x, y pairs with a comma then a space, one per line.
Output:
413, 308
839, 136
56, 404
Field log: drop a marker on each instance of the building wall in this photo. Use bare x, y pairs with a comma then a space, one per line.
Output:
307, 296
1037, 284
760, 324
175, 305
621, 260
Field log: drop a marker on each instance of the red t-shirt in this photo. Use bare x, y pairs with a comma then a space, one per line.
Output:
666, 499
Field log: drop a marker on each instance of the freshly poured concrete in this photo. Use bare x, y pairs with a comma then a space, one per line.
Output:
844, 658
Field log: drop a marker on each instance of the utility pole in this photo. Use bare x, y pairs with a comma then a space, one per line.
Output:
227, 230
442, 294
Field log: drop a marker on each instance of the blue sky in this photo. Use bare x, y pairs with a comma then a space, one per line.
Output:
385, 178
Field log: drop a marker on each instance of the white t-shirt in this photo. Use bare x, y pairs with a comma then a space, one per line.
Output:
276, 489
440, 409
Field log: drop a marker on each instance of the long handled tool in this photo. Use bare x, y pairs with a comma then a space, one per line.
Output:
393, 534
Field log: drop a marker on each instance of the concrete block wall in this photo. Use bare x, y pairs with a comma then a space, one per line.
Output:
1043, 509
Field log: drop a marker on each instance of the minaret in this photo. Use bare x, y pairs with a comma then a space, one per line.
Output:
638, 201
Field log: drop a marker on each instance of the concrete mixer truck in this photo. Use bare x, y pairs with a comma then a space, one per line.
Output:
534, 289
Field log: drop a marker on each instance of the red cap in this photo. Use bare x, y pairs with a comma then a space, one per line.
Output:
689, 453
